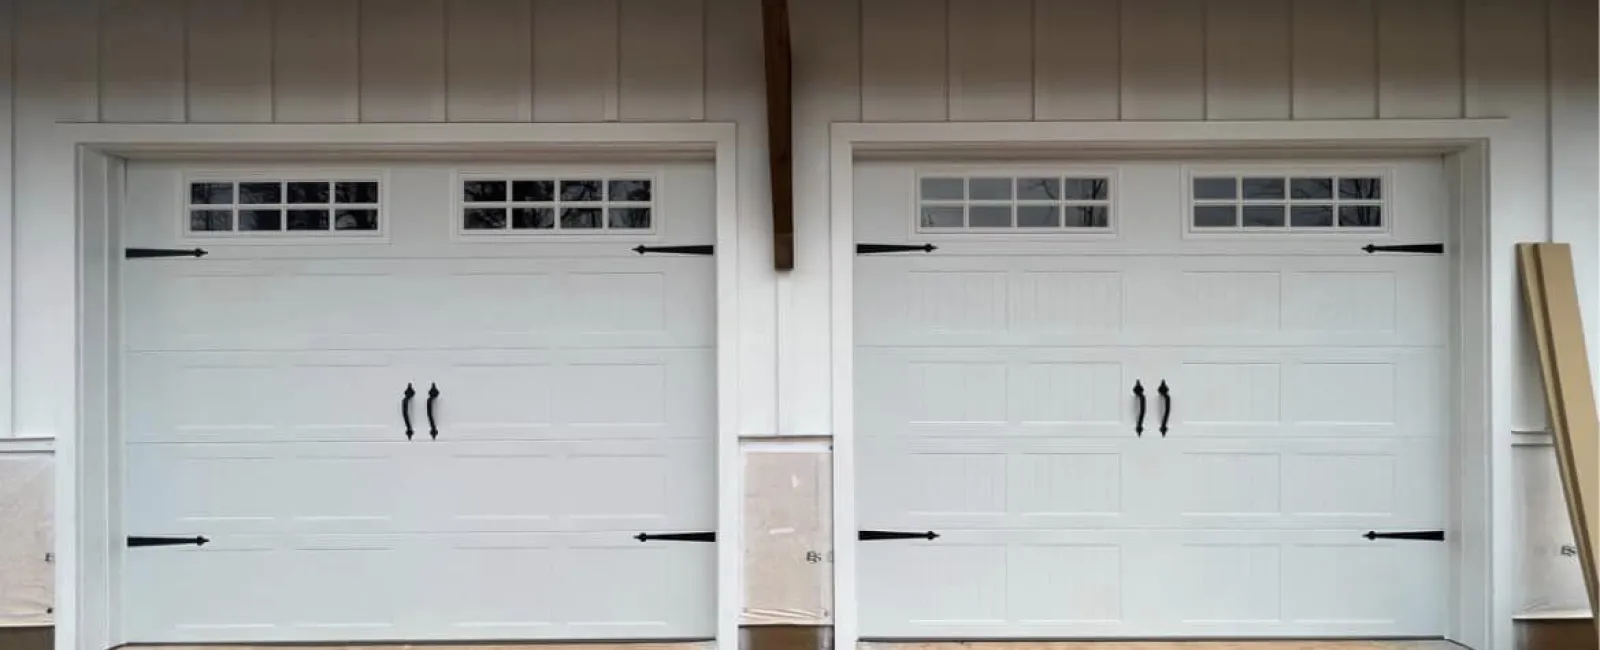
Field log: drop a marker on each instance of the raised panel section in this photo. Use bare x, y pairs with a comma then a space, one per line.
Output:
402, 61
489, 59
1068, 393
662, 60
1335, 59
230, 51
1065, 484
1077, 60
142, 61
316, 61
1230, 583
1360, 302
1231, 301
903, 61
1067, 301
1163, 54
991, 60
958, 392
1231, 484
1342, 393
1229, 393
567, 86
958, 301
1058, 584
1341, 484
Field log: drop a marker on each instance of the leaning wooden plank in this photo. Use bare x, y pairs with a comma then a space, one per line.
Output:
1550, 295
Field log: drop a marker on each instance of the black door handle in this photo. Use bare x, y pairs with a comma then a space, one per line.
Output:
1138, 394
433, 394
405, 409
1166, 411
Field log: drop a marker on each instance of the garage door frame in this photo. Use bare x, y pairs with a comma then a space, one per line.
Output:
1488, 175
91, 157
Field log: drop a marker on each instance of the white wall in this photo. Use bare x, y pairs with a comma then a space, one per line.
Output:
671, 60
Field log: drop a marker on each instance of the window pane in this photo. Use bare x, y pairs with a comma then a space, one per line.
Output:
483, 191
630, 218
581, 191
356, 192
213, 193
1039, 216
1263, 216
989, 189
941, 217
1086, 189
356, 220
261, 192
1039, 189
1360, 188
1311, 216
484, 219
989, 216
1263, 188
626, 190
260, 220
308, 219
533, 191
1215, 188
308, 193
1088, 216
1360, 216
580, 218
210, 220
944, 189
533, 218
1311, 188
1215, 216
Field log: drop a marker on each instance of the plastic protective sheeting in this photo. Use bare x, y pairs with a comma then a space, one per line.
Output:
27, 576
788, 547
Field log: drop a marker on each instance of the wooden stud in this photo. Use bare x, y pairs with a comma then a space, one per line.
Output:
780, 129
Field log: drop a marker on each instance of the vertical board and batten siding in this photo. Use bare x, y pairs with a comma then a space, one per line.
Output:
334, 61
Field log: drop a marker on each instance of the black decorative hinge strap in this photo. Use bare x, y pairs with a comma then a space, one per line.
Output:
1419, 535
676, 537
139, 253
1431, 249
135, 541
871, 249
679, 250
880, 535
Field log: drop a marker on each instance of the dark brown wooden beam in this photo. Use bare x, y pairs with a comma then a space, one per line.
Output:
780, 129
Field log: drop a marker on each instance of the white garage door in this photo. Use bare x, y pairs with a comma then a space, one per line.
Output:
1295, 393
561, 403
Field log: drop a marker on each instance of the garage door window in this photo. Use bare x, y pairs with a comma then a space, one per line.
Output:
301, 206
1014, 203
1273, 203
557, 205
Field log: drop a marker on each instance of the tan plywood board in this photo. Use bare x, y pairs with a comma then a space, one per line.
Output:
788, 549
1551, 297
27, 577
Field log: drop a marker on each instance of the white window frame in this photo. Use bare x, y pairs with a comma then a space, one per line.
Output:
1112, 203
268, 173
1478, 154
658, 224
1287, 171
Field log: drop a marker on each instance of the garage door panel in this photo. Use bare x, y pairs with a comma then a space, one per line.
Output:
171, 594
351, 487
645, 590
352, 586
185, 489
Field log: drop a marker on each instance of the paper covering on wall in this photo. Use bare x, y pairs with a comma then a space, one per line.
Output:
788, 549
27, 582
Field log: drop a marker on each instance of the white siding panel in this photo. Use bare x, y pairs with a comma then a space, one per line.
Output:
1077, 59
903, 60
1574, 155
1504, 48
402, 60
663, 60
827, 82
575, 61
7, 166
57, 61
1163, 55
1335, 59
734, 93
1419, 59
490, 73
142, 61
230, 61
1247, 59
991, 60
316, 66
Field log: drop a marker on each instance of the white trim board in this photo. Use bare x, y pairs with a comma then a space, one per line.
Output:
1486, 169
85, 507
